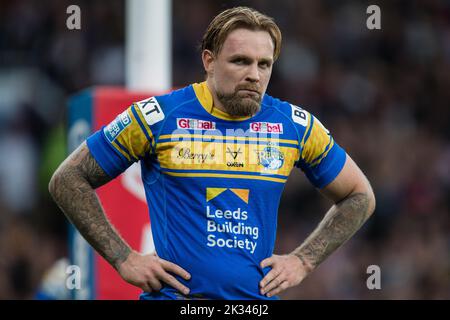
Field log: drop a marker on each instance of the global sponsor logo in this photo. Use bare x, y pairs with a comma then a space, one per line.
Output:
271, 158
195, 124
266, 127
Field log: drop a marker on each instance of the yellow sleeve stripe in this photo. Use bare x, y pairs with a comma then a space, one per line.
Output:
123, 152
135, 111
316, 162
316, 144
302, 143
132, 140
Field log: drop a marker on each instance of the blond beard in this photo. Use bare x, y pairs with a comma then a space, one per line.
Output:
237, 106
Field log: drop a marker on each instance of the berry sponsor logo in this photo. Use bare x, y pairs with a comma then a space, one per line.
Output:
194, 157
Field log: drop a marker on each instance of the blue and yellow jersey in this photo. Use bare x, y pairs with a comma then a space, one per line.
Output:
213, 183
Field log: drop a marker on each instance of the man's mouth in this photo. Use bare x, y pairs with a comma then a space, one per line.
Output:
250, 91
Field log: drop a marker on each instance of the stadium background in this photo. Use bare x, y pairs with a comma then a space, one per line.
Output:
384, 94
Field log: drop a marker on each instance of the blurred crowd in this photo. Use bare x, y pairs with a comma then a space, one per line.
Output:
384, 95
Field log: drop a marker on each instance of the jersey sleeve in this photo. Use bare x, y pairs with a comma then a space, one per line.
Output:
127, 139
321, 158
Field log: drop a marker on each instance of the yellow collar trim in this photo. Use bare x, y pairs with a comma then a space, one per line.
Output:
205, 98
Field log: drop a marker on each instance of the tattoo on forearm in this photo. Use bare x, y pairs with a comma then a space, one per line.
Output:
338, 225
72, 188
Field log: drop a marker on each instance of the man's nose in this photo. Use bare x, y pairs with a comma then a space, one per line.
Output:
253, 73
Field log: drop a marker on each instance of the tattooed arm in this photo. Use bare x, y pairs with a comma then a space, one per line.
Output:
354, 203
338, 225
73, 189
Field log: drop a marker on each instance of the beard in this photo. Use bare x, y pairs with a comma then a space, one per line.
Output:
240, 104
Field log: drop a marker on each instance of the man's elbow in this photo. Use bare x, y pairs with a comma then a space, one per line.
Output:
54, 184
368, 202
59, 182
371, 201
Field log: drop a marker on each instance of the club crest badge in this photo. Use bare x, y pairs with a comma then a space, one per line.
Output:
271, 158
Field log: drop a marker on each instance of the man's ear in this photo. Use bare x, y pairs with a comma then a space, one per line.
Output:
208, 61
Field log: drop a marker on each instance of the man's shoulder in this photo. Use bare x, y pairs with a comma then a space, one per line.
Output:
170, 100
155, 108
176, 97
294, 113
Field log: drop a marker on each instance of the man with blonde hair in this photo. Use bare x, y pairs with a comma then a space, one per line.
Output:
215, 157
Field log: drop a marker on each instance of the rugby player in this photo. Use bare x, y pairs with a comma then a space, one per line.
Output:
215, 157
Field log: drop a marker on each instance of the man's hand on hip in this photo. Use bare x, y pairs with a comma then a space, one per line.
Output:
287, 271
149, 271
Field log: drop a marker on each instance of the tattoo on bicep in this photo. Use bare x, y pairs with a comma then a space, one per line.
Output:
338, 225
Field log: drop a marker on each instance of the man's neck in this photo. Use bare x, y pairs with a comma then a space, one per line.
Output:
216, 102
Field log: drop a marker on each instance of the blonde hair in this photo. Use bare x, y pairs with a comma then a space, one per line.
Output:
239, 17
